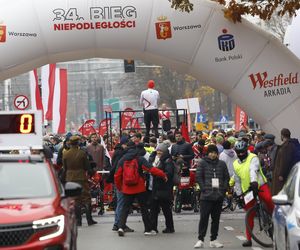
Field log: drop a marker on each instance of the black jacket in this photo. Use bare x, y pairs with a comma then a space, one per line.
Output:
119, 152
160, 188
206, 171
185, 149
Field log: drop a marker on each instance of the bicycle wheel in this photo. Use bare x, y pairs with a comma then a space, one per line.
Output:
262, 231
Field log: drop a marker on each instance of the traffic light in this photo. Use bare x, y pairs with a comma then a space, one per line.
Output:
129, 66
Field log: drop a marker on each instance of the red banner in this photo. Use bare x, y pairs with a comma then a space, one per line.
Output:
185, 132
135, 123
87, 128
103, 126
241, 119
126, 117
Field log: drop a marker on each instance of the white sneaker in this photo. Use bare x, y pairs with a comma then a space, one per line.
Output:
199, 244
121, 232
152, 232
215, 244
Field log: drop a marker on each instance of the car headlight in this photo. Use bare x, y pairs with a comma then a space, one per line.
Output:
54, 226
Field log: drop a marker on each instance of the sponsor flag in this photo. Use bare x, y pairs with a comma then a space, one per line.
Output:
60, 99
48, 84
103, 126
185, 133
241, 119
126, 117
35, 94
87, 128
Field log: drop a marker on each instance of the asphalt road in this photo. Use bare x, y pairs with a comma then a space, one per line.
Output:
100, 236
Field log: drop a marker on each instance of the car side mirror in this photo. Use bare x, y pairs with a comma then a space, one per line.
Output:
281, 199
72, 189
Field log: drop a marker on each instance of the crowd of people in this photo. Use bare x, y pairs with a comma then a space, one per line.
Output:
144, 166
243, 160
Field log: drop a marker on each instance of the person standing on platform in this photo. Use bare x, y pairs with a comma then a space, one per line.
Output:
164, 115
149, 99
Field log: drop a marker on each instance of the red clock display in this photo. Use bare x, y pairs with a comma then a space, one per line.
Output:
17, 124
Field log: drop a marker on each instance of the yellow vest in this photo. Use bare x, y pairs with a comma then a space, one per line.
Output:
242, 170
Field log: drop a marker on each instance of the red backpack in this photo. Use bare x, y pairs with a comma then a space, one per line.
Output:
131, 172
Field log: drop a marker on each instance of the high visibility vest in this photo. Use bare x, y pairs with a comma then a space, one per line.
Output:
242, 170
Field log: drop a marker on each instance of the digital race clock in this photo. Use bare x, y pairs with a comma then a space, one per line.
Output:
17, 123
21, 130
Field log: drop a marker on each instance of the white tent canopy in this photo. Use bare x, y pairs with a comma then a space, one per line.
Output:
249, 65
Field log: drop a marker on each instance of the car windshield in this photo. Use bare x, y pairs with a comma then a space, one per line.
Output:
24, 180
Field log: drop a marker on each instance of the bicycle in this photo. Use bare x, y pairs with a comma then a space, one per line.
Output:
262, 231
231, 201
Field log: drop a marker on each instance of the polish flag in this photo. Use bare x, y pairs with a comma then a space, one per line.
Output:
35, 94
48, 83
59, 105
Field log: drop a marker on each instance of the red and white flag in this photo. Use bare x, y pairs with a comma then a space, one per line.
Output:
35, 94
241, 119
48, 84
60, 100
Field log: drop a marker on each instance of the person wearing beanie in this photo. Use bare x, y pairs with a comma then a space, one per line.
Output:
213, 177
149, 100
161, 191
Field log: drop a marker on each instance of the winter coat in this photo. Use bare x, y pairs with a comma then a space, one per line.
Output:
160, 189
206, 171
118, 153
228, 156
76, 163
97, 152
143, 166
282, 165
185, 149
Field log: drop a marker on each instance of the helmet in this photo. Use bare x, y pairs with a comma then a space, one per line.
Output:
241, 146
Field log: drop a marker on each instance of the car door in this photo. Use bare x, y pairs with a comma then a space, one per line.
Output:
282, 213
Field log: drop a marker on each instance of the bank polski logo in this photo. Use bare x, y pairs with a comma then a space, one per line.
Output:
226, 41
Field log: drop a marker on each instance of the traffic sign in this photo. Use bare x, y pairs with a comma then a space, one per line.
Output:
21, 102
223, 119
201, 117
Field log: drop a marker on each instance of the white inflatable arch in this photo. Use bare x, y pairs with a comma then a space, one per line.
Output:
249, 65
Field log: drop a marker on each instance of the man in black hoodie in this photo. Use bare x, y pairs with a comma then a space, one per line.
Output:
213, 178
182, 151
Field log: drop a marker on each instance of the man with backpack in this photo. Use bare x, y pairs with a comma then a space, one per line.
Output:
130, 180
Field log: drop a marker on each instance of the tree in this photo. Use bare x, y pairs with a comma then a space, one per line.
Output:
235, 9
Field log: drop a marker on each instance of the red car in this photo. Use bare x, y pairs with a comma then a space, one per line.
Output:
36, 211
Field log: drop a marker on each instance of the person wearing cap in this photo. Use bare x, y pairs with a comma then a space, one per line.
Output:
149, 100
283, 161
162, 192
213, 178
76, 164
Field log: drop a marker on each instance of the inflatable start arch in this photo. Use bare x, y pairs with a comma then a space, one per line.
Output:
250, 66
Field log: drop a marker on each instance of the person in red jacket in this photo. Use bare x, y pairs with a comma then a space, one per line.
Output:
135, 191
